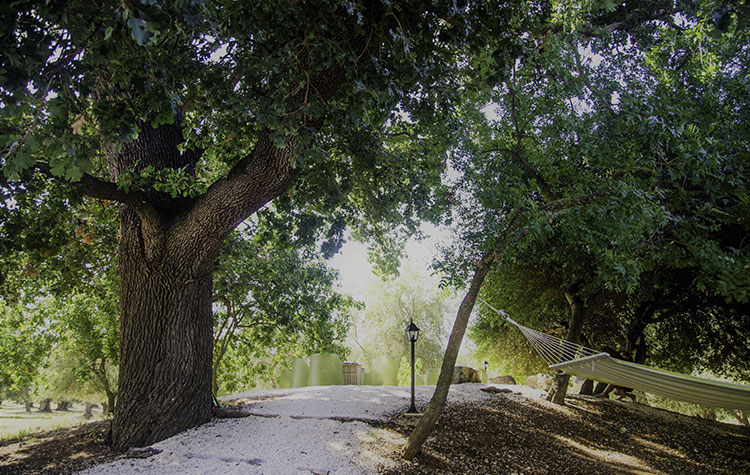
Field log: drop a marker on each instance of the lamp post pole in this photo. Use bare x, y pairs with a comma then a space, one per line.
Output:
413, 333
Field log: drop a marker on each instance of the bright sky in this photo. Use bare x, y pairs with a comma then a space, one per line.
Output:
356, 273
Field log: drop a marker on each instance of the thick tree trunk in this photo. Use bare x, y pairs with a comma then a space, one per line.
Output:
559, 387
166, 328
166, 255
29, 405
166, 338
87, 411
62, 406
437, 403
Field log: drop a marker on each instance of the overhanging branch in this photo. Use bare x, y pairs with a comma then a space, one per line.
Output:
97, 188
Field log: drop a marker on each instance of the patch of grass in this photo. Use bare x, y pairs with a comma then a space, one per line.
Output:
15, 422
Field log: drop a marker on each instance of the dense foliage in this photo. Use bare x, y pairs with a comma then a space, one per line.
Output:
274, 301
613, 167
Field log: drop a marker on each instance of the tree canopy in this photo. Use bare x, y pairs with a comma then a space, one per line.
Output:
612, 167
379, 328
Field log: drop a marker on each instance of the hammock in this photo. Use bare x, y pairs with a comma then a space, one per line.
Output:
581, 361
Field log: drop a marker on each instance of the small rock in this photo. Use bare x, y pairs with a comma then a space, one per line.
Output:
141, 452
495, 390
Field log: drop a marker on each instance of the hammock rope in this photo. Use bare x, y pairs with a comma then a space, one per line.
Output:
579, 360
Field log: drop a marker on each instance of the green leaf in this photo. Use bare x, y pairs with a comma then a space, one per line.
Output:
139, 30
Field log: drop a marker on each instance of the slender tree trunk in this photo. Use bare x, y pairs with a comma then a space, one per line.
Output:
109, 406
635, 341
587, 388
87, 411
560, 385
221, 342
437, 403
100, 371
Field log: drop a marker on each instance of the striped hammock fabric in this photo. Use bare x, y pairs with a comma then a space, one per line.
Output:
581, 361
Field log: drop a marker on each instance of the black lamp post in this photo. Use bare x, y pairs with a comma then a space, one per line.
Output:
412, 331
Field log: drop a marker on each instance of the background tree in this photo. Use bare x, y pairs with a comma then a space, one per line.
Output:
273, 301
23, 347
60, 255
379, 329
89, 337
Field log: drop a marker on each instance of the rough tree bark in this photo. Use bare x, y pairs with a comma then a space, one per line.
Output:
437, 403
560, 385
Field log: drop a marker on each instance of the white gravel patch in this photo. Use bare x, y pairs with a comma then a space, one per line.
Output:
292, 433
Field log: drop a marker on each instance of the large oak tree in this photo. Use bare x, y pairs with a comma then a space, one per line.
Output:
196, 114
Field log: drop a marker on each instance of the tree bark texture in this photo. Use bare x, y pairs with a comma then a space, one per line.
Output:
559, 388
166, 342
437, 403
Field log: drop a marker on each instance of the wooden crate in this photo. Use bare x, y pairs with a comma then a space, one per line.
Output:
352, 373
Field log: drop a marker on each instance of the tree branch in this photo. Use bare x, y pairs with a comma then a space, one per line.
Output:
97, 188
151, 218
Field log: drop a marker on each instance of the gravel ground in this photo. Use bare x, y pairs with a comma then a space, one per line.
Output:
360, 430
323, 429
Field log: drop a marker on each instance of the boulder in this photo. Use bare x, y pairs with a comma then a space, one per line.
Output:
503, 380
539, 381
466, 374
